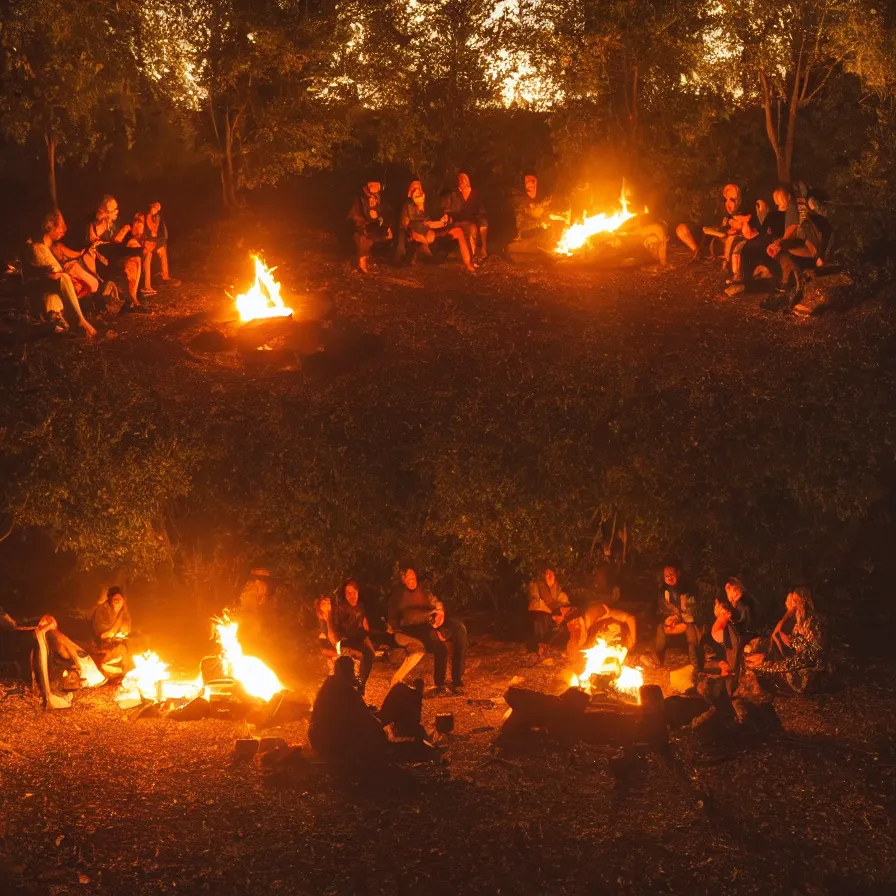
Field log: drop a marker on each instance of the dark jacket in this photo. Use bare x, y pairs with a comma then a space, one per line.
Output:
471, 209
412, 607
348, 620
360, 213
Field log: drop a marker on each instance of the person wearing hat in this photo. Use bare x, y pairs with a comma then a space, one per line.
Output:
366, 217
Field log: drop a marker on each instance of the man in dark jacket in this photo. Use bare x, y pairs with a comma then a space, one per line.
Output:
367, 222
465, 208
417, 618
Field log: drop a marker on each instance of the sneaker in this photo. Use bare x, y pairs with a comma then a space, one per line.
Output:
457, 689
171, 281
437, 691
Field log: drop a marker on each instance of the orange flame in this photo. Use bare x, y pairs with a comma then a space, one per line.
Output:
263, 298
148, 671
576, 235
256, 678
604, 659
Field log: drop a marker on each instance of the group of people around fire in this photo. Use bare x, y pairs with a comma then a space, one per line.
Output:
73, 272
460, 219
105, 656
782, 235
793, 654
782, 238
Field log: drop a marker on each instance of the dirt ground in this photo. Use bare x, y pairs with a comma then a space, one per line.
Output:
92, 803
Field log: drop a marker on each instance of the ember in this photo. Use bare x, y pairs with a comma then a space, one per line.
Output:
577, 235
607, 661
263, 298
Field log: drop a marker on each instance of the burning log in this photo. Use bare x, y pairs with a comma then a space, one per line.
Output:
618, 234
571, 717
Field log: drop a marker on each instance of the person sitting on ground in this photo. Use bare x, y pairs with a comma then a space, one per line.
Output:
42, 257
797, 652
111, 623
736, 621
734, 218
798, 230
342, 727
64, 648
348, 629
413, 223
536, 215
157, 243
137, 238
80, 266
678, 616
108, 241
366, 217
417, 619
548, 608
422, 231
599, 621
465, 208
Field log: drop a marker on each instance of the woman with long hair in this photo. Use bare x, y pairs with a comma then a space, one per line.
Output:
797, 655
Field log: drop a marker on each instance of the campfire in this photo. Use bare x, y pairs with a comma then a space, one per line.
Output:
605, 665
577, 235
150, 681
257, 679
263, 298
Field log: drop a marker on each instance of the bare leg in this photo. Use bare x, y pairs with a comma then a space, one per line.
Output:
79, 272
67, 289
65, 648
460, 236
684, 233
410, 661
89, 262
162, 252
132, 273
147, 269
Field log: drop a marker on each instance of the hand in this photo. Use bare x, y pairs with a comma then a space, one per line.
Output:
444, 219
438, 617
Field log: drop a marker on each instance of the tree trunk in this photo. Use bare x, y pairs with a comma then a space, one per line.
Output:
228, 174
51, 169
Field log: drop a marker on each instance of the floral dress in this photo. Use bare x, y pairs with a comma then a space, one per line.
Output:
802, 667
